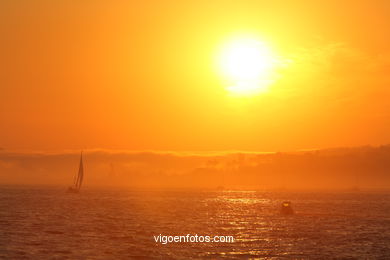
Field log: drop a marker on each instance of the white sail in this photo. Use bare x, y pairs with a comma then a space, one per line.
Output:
80, 174
78, 179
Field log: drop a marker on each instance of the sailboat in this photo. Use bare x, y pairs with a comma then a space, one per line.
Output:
78, 178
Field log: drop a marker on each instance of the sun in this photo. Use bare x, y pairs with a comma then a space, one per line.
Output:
248, 66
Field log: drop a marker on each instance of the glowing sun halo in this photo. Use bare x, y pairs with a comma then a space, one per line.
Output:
248, 65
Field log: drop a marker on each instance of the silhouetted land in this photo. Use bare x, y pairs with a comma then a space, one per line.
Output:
341, 168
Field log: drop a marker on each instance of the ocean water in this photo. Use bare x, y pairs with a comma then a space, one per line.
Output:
48, 223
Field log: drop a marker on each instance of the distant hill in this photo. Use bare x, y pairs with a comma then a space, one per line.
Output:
340, 168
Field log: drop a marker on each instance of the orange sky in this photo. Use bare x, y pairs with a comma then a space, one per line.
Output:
142, 76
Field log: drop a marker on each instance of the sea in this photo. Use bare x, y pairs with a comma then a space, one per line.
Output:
48, 223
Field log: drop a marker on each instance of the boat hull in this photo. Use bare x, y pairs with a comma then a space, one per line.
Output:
73, 190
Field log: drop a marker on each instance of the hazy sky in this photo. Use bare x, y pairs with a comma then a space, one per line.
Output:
142, 75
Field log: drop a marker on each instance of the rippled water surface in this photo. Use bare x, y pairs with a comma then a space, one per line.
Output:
42, 223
